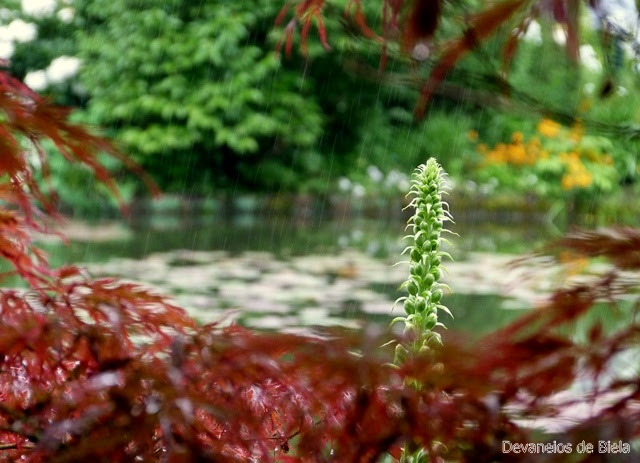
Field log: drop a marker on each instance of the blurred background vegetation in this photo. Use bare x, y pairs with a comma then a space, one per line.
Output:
194, 92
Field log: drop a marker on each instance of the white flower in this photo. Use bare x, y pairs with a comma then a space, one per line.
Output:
66, 14
421, 51
470, 185
617, 15
374, 174
36, 162
449, 183
533, 33
36, 80
39, 8
392, 178
358, 190
559, 35
344, 184
589, 87
486, 188
397, 180
623, 17
62, 68
589, 58
403, 184
6, 49
21, 31
622, 91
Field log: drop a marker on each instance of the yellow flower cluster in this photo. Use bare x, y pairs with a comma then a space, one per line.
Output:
521, 152
548, 128
577, 175
517, 152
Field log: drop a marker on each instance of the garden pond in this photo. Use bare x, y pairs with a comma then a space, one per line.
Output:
292, 273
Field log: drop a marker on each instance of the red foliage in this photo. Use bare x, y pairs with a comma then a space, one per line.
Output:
306, 12
108, 371
479, 27
415, 24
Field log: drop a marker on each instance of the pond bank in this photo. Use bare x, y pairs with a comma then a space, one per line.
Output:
470, 206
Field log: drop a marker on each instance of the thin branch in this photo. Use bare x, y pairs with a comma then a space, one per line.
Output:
15, 446
501, 95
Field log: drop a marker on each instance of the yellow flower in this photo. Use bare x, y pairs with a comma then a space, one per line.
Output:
534, 142
548, 128
577, 131
472, 135
495, 156
577, 176
585, 179
517, 154
517, 137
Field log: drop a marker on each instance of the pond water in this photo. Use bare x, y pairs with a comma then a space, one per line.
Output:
284, 273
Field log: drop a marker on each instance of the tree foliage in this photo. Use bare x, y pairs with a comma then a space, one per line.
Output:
197, 89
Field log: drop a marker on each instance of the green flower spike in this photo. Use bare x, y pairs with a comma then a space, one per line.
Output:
424, 287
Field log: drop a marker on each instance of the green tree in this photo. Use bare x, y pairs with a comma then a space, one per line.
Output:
193, 91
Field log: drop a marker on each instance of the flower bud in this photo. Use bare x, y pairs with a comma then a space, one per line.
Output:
410, 306
428, 280
413, 288
430, 321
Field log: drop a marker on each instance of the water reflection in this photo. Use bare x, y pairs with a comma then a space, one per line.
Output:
282, 236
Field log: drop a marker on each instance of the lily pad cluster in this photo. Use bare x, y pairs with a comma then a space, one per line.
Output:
425, 257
